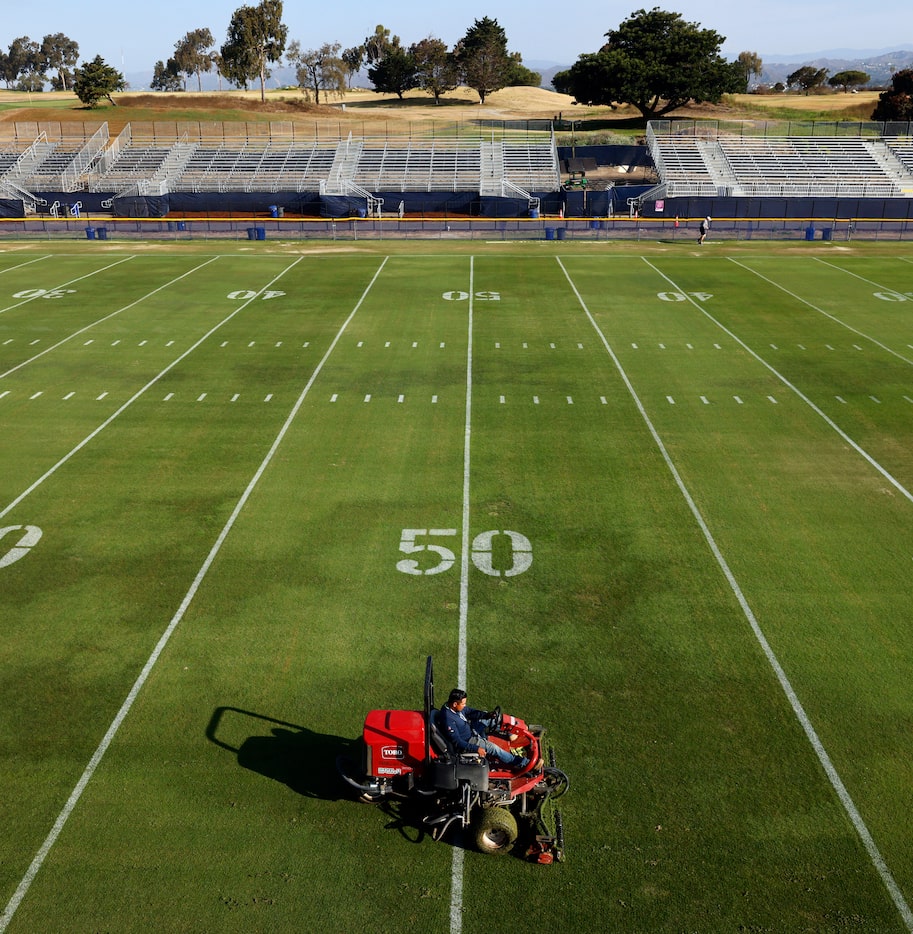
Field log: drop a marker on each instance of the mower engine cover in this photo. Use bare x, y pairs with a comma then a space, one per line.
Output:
394, 742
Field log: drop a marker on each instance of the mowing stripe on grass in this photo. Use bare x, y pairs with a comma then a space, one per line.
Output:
76, 794
821, 311
791, 386
97, 431
106, 317
63, 285
456, 872
830, 770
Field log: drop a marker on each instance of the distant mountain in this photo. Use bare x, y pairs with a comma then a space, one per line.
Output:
880, 66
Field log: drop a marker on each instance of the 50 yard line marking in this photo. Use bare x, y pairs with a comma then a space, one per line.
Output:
830, 770
94, 762
456, 872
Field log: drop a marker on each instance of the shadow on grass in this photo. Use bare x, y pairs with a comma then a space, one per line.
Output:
305, 761
300, 758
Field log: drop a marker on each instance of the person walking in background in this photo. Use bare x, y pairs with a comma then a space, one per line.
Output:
705, 226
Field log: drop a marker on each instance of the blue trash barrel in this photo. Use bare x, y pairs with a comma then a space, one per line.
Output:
562, 232
102, 233
261, 233
90, 233
251, 233
827, 233
274, 210
534, 212
549, 233
810, 232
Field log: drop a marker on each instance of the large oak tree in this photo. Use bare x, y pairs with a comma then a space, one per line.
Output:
655, 61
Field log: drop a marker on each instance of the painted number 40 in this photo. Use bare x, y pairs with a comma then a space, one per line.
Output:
481, 552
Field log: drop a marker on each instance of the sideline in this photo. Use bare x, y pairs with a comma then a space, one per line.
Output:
456, 873
833, 776
76, 794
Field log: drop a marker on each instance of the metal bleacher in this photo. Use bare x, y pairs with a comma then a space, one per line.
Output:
700, 160
140, 161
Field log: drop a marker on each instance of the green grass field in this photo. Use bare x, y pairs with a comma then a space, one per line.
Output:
207, 464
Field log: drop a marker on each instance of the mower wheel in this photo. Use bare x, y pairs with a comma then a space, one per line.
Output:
495, 831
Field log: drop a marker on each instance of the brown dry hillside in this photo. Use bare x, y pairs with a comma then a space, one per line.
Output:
364, 112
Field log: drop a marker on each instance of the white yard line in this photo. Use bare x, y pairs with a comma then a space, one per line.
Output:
107, 317
830, 770
37, 259
94, 762
456, 872
63, 285
791, 386
821, 311
52, 470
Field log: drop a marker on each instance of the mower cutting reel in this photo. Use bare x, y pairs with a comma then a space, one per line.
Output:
404, 754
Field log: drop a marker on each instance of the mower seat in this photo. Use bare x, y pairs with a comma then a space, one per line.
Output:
452, 769
438, 740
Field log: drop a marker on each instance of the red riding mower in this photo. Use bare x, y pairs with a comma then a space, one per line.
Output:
405, 755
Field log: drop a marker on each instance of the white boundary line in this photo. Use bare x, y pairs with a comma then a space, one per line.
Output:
97, 431
833, 776
456, 871
94, 762
791, 386
88, 327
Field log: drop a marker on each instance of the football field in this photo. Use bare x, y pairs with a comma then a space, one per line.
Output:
658, 499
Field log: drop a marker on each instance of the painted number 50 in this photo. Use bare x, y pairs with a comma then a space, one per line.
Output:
481, 552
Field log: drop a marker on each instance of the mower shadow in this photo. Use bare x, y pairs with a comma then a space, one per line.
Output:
284, 752
305, 761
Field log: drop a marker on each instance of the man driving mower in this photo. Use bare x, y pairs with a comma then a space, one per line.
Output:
466, 729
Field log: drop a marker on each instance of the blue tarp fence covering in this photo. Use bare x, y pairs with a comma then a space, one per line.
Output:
11, 208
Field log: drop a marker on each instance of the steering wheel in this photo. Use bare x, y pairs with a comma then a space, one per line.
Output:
496, 720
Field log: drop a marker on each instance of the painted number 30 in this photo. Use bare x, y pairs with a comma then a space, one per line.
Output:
481, 552
21, 545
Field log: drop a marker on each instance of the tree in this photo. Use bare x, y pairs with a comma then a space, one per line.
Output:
97, 80
848, 79
482, 57
751, 64
655, 61
436, 71
22, 63
518, 75
353, 59
896, 103
256, 37
193, 54
318, 69
377, 45
395, 73
807, 78
60, 53
166, 77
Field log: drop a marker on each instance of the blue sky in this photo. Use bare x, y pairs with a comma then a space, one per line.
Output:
132, 37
